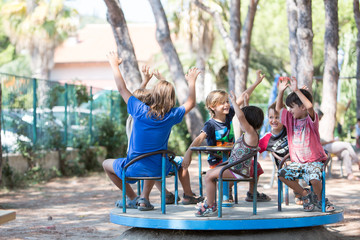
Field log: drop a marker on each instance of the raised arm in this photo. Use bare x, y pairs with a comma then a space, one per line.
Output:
259, 78
283, 84
197, 141
147, 75
191, 77
308, 105
115, 61
244, 124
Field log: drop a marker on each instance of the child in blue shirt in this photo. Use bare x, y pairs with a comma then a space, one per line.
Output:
155, 120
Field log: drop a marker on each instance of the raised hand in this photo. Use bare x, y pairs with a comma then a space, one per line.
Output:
113, 58
192, 75
293, 84
283, 83
158, 75
147, 73
259, 76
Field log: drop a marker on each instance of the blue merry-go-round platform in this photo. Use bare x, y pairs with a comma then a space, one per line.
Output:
238, 217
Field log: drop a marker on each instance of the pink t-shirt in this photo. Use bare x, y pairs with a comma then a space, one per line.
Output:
303, 138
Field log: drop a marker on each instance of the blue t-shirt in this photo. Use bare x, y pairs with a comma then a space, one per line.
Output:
148, 135
219, 133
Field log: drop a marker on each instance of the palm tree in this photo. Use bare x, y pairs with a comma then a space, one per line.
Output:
38, 27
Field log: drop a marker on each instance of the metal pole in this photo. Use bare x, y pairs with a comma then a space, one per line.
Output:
34, 111
90, 120
66, 117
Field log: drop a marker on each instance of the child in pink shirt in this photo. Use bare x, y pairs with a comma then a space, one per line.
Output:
306, 152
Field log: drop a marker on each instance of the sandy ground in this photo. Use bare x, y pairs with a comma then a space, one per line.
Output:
78, 208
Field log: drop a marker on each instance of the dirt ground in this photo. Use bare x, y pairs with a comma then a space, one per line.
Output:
78, 208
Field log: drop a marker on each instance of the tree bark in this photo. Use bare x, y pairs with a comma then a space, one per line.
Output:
292, 25
240, 85
194, 120
129, 67
240, 61
305, 69
235, 37
357, 21
331, 70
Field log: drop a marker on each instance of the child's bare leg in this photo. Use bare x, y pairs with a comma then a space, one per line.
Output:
184, 178
108, 167
210, 183
317, 187
158, 186
294, 185
148, 185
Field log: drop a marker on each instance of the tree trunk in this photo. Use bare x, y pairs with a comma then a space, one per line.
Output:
305, 36
194, 120
240, 86
331, 70
235, 37
129, 67
292, 25
357, 20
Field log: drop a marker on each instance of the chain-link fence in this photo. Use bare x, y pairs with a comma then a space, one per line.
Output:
51, 115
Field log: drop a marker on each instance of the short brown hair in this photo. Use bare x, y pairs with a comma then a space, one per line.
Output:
215, 97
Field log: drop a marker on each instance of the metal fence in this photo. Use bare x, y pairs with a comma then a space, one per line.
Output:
45, 112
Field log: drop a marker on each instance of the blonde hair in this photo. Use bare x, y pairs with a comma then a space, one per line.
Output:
214, 98
162, 99
143, 95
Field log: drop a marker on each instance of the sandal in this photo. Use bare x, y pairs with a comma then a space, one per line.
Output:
329, 207
191, 199
170, 198
308, 203
206, 211
261, 197
129, 203
147, 204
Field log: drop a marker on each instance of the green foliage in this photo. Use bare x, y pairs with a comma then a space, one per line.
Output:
53, 96
111, 135
87, 155
7, 54
81, 94
179, 139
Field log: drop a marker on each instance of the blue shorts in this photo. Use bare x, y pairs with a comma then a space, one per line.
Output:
178, 160
307, 171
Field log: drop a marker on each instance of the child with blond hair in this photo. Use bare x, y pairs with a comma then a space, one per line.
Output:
155, 120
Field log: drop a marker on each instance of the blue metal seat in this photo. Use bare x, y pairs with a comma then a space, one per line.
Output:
166, 155
251, 179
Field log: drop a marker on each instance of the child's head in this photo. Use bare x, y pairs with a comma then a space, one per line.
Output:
216, 98
297, 108
254, 116
143, 95
274, 118
293, 98
162, 99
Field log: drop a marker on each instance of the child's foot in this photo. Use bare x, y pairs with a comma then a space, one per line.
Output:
191, 199
261, 197
329, 207
308, 201
206, 211
170, 198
